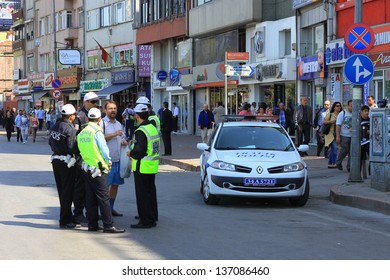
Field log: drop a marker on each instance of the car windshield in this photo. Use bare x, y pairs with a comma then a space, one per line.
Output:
253, 138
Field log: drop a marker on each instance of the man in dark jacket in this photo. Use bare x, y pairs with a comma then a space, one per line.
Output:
303, 122
166, 129
206, 122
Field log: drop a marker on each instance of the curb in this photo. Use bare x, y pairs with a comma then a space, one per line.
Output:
187, 165
338, 196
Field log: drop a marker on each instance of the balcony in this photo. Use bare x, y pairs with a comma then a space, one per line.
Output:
67, 34
19, 45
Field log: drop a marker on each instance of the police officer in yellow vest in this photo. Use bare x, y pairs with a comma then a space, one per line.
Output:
95, 166
153, 118
145, 159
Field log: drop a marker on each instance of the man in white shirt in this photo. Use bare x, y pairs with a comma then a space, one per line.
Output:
343, 135
175, 116
115, 139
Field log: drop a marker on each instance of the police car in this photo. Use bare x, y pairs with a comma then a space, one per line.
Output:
249, 156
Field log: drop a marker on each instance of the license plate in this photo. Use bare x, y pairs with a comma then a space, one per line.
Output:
259, 182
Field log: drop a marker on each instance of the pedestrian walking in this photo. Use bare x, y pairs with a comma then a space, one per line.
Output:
303, 122
145, 154
9, 124
24, 124
96, 164
218, 112
330, 138
175, 113
91, 100
129, 118
62, 141
115, 138
34, 123
343, 136
17, 125
206, 122
319, 118
41, 113
166, 129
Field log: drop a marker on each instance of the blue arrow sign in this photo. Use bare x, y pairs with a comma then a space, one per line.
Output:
240, 70
359, 69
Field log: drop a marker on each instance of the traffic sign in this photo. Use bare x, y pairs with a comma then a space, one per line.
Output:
56, 93
359, 69
240, 70
359, 38
56, 83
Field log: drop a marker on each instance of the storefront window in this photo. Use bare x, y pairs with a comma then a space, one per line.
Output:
123, 55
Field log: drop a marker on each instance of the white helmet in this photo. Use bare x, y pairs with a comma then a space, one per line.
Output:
94, 113
68, 109
143, 100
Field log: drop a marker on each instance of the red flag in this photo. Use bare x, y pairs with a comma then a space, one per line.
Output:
104, 52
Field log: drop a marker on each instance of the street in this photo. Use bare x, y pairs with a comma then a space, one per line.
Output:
187, 228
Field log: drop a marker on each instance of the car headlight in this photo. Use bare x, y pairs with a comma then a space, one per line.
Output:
223, 165
293, 167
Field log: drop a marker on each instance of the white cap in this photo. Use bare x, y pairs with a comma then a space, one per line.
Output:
68, 109
94, 113
90, 95
143, 100
141, 108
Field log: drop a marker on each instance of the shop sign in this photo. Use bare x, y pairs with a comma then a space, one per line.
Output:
162, 75
70, 78
49, 77
23, 86
337, 52
210, 73
174, 77
380, 59
93, 85
144, 60
120, 77
311, 67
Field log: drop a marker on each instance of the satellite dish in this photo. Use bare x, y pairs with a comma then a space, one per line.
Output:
37, 42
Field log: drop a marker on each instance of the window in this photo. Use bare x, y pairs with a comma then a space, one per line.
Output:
42, 27
44, 62
30, 63
105, 16
119, 12
312, 40
93, 19
285, 42
145, 16
80, 17
201, 2
93, 58
123, 55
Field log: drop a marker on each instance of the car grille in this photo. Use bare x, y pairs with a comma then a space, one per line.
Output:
243, 169
237, 184
278, 169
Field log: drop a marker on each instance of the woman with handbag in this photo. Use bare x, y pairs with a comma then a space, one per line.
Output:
34, 125
330, 138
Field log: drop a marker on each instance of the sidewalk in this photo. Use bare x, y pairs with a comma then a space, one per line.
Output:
185, 155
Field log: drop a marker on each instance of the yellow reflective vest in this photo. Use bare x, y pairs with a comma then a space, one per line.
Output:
88, 148
149, 163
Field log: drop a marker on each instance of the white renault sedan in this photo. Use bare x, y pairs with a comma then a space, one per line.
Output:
248, 157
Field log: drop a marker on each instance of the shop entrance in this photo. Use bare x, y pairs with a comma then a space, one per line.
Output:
182, 103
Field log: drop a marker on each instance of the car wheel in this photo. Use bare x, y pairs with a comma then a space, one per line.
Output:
208, 198
301, 201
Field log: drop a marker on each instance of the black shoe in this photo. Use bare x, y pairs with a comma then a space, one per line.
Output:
117, 214
136, 217
79, 219
139, 225
68, 226
348, 169
113, 230
339, 167
97, 228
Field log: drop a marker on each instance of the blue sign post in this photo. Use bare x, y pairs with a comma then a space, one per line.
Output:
359, 69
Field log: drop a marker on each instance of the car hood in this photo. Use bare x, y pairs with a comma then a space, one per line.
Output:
242, 156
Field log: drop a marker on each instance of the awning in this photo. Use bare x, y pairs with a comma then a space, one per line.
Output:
105, 93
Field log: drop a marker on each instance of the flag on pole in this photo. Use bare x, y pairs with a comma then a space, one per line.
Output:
105, 54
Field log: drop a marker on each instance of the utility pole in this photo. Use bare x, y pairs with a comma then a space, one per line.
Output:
355, 152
